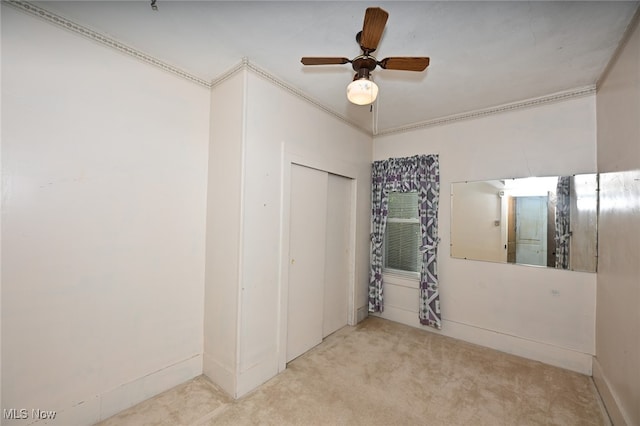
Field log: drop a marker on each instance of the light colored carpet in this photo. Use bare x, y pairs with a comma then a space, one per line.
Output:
384, 373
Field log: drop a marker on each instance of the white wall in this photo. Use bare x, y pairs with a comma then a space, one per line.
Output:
276, 118
104, 163
539, 313
277, 127
617, 362
104, 167
224, 231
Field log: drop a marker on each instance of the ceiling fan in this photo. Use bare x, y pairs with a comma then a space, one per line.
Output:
363, 91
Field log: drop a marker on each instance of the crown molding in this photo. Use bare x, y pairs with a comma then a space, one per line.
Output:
229, 73
246, 64
107, 41
110, 42
527, 103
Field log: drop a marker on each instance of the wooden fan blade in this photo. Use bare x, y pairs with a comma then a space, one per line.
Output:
375, 19
405, 63
324, 61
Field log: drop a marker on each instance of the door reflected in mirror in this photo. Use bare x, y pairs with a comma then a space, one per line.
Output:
540, 221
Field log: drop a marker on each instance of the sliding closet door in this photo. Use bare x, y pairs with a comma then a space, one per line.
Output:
337, 257
307, 242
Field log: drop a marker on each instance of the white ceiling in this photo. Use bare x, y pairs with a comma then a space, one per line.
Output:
483, 54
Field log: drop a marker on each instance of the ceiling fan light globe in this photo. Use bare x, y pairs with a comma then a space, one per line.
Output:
362, 91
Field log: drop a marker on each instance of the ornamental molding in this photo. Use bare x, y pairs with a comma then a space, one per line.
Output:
528, 103
107, 41
246, 64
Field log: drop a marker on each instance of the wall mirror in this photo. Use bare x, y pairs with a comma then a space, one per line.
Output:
541, 221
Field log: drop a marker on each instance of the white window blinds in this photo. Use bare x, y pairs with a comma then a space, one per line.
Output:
402, 234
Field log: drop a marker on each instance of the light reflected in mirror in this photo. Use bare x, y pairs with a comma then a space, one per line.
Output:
540, 221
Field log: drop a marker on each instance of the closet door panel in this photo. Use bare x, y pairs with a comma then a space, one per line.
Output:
337, 255
307, 242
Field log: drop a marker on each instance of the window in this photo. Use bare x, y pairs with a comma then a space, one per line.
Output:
402, 235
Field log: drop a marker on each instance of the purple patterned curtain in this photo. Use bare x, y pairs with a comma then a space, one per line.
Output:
421, 174
563, 232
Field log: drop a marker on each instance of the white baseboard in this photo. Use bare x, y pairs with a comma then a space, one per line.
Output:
245, 382
99, 407
220, 375
86, 413
616, 413
254, 376
136, 391
362, 313
553, 355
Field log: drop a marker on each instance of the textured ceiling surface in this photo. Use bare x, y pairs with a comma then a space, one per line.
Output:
483, 54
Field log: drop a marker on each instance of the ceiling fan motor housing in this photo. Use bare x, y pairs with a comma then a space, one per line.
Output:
363, 65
